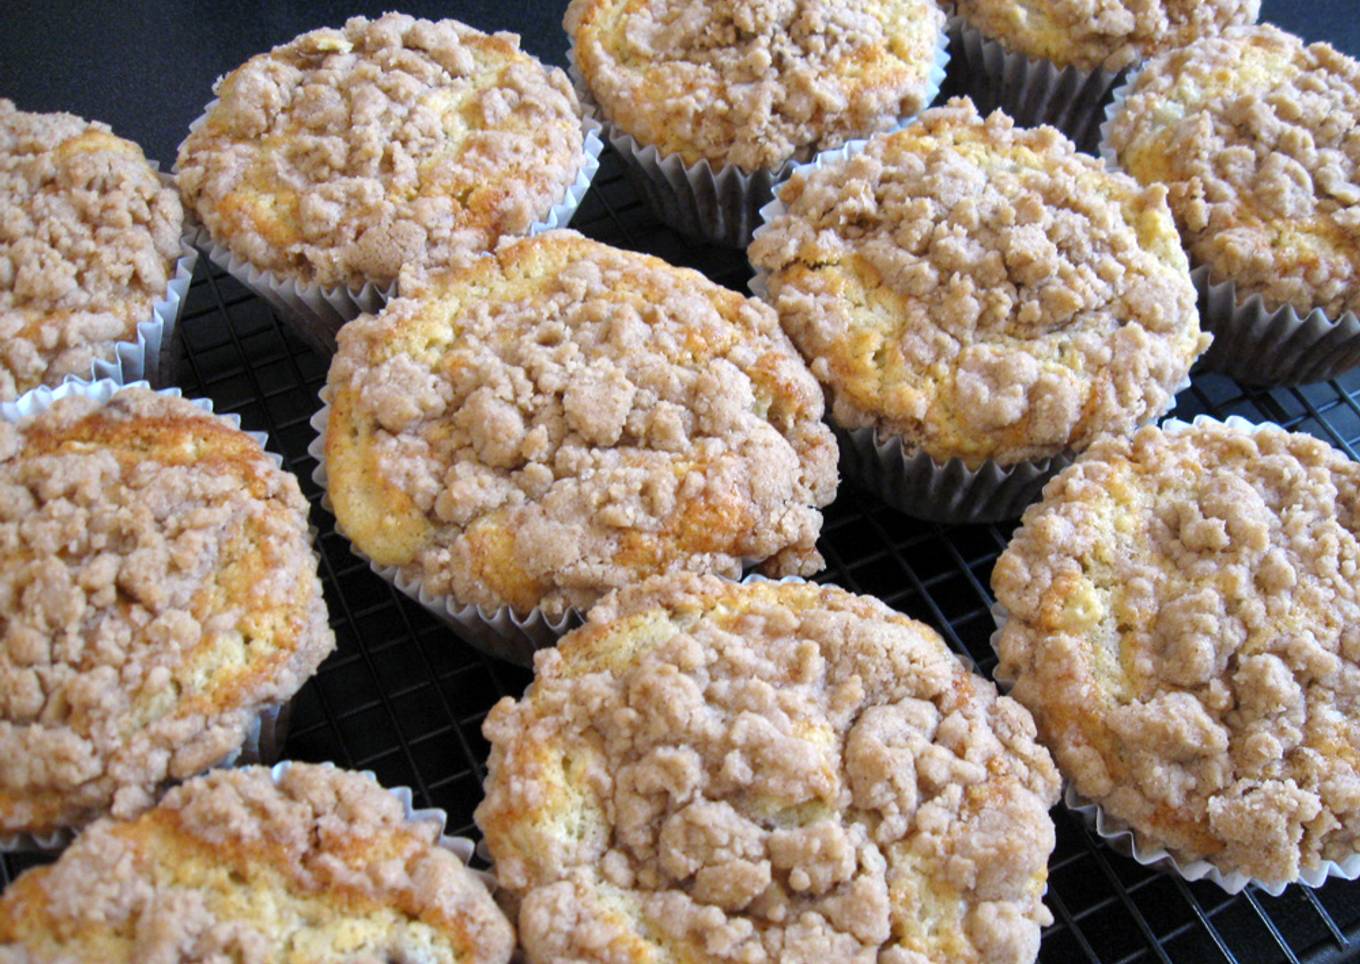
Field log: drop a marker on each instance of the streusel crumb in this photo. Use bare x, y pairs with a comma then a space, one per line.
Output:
1103, 34
1257, 140
983, 291
565, 418
754, 82
766, 772
89, 237
158, 589
321, 865
1184, 624
343, 155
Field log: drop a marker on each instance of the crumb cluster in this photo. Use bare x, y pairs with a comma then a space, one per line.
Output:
1183, 624
754, 82
343, 155
89, 237
766, 772
1257, 140
158, 589
320, 865
982, 291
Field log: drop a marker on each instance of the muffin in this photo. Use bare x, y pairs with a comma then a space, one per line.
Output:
968, 290
1183, 623
90, 279
159, 596
766, 771
333, 161
709, 102
1057, 61
310, 863
565, 418
1257, 140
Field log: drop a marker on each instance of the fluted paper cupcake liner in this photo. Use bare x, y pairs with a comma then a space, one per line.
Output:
267, 730
1129, 842
1256, 344
317, 312
720, 206
1032, 91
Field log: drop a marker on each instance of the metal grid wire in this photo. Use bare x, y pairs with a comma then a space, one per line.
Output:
404, 697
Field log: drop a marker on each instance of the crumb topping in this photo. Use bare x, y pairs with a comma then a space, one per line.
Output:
1257, 140
89, 237
1103, 34
754, 82
157, 590
565, 418
766, 772
1183, 623
343, 155
981, 290
321, 865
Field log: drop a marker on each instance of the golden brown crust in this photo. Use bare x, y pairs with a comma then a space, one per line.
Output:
320, 866
754, 82
564, 418
982, 291
1183, 623
769, 771
160, 590
1257, 140
89, 237
344, 155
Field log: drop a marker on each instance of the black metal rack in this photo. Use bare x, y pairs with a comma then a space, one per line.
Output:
404, 697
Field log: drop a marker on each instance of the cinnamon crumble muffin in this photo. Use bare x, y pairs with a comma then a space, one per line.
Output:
754, 82
1184, 624
564, 418
158, 590
767, 771
982, 291
89, 237
343, 155
319, 864
1102, 34
1257, 140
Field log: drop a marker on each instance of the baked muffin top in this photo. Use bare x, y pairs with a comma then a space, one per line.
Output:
768, 771
1103, 34
339, 157
157, 590
981, 290
754, 82
564, 418
89, 237
320, 865
1184, 624
1257, 139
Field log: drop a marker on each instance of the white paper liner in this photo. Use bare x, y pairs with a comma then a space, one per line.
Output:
316, 312
719, 206
1127, 841
1031, 91
1255, 344
264, 738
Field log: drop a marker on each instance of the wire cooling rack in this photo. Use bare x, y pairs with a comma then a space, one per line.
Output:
404, 697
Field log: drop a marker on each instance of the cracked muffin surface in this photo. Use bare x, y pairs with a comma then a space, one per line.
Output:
766, 771
321, 865
158, 589
1183, 622
345, 155
89, 237
754, 82
1257, 140
1103, 34
982, 291
564, 418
